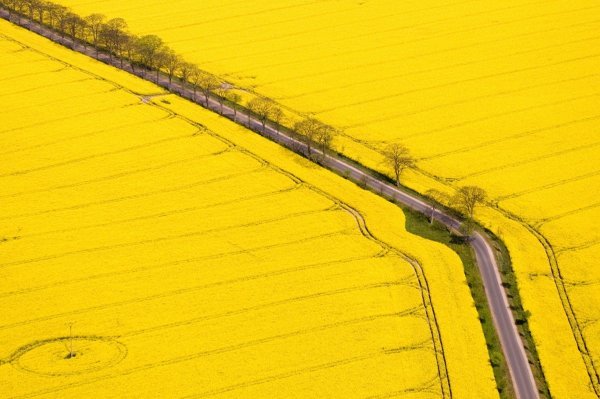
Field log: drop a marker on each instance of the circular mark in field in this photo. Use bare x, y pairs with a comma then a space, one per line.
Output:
54, 357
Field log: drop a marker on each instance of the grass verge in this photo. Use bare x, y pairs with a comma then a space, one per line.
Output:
417, 223
509, 283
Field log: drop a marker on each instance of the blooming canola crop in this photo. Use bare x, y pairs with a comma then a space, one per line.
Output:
502, 95
153, 249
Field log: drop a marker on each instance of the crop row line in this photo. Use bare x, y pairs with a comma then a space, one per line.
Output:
180, 291
568, 308
384, 78
196, 183
195, 234
273, 54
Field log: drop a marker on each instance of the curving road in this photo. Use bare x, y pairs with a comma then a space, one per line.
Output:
512, 345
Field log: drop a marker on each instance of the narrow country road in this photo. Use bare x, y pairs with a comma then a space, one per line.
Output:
512, 345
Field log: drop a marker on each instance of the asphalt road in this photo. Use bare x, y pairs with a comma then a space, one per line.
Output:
512, 345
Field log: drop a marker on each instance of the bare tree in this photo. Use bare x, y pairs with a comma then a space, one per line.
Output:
129, 50
235, 100
308, 129
105, 39
32, 7
172, 62
263, 108
58, 14
398, 158
467, 198
113, 34
206, 83
194, 76
159, 61
18, 7
11, 6
53, 10
75, 26
147, 47
324, 138
15, 6
83, 31
439, 198
185, 71
95, 23
121, 40
277, 117
313, 131
221, 93
43, 10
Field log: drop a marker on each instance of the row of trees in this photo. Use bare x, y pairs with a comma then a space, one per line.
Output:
148, 53
466, 199
310, 131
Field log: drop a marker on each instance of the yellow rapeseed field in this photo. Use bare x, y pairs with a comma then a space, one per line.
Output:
152, 249
503, 95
